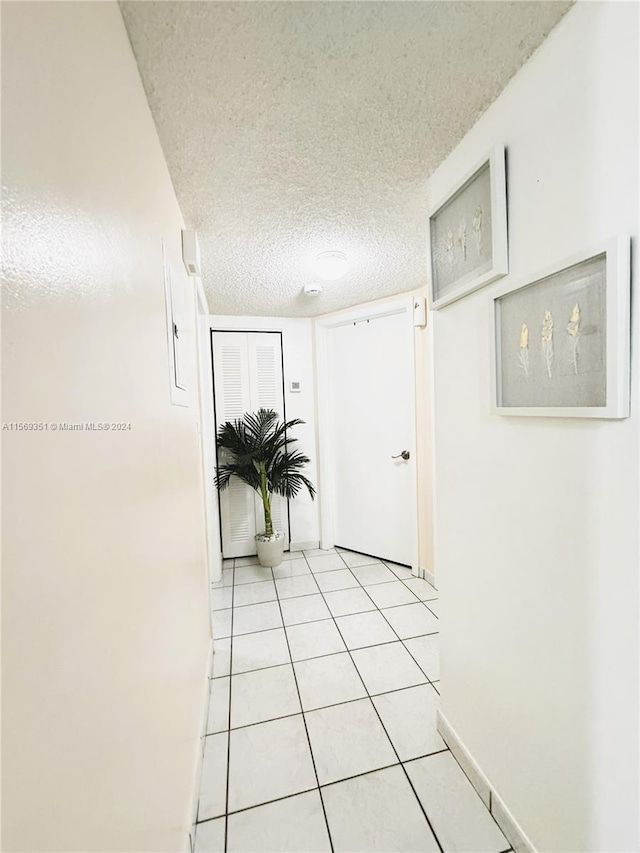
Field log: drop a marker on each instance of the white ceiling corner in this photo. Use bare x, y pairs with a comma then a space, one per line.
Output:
291, 128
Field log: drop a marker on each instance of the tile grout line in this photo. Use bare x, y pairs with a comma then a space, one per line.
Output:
379, 609
211, 679
303, 712
326, 784
403, 581
321, 592
344, 589
362, 586
386, 766
429, 681
387, 736
341, 651
404, 645
328, 619
328, 571
309, 594
320, 707
302, 660
304, 721
270, 802
226, 802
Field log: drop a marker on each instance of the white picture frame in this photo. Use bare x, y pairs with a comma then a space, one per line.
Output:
613, 378
451, 274
175, 295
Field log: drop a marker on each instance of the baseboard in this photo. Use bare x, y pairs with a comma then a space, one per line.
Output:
311, 545
428, 576
514, 833
512, 830
190, 845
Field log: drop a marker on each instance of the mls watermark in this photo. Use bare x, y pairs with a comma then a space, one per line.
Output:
66, 426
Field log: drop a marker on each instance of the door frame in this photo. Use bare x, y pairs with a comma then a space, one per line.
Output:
326, 492
207, 433
216, 328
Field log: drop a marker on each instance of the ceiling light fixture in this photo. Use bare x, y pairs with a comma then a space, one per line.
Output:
331, 265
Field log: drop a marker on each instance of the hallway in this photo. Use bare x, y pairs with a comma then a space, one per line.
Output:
326, 672
212, 208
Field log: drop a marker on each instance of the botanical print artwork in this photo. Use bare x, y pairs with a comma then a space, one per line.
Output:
573, 329
449, 247
461, 241
477, 227
462, 238
523, 355
552, 340
547, 340
461, 235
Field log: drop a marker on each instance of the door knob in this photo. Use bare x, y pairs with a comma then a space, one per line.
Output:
405, 455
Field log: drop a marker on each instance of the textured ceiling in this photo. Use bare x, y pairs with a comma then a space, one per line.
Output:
291, 128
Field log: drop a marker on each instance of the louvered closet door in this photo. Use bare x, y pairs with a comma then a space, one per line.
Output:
232, 400
247, 368
265, 380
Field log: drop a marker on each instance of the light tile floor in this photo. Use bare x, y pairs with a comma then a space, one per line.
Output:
322, 724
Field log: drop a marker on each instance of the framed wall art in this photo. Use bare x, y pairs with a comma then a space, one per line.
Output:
468, 233
561, 342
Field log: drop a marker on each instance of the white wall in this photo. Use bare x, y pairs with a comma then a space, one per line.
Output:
297, 352
537, 519
105, 601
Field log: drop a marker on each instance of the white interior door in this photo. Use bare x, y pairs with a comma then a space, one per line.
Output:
247, 371
371, 421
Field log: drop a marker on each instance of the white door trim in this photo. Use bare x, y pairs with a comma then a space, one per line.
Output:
254, 384
322, 326
207, 434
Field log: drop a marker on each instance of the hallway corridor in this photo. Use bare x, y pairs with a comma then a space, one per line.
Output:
322, 726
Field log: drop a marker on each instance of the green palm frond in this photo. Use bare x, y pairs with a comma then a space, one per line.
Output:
257, 449
285, 477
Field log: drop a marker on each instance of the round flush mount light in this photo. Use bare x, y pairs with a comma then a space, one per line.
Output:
331, 265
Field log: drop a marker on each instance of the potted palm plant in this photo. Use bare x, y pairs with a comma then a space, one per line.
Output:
258, 452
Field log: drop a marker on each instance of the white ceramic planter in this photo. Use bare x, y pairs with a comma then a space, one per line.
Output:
270, 548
